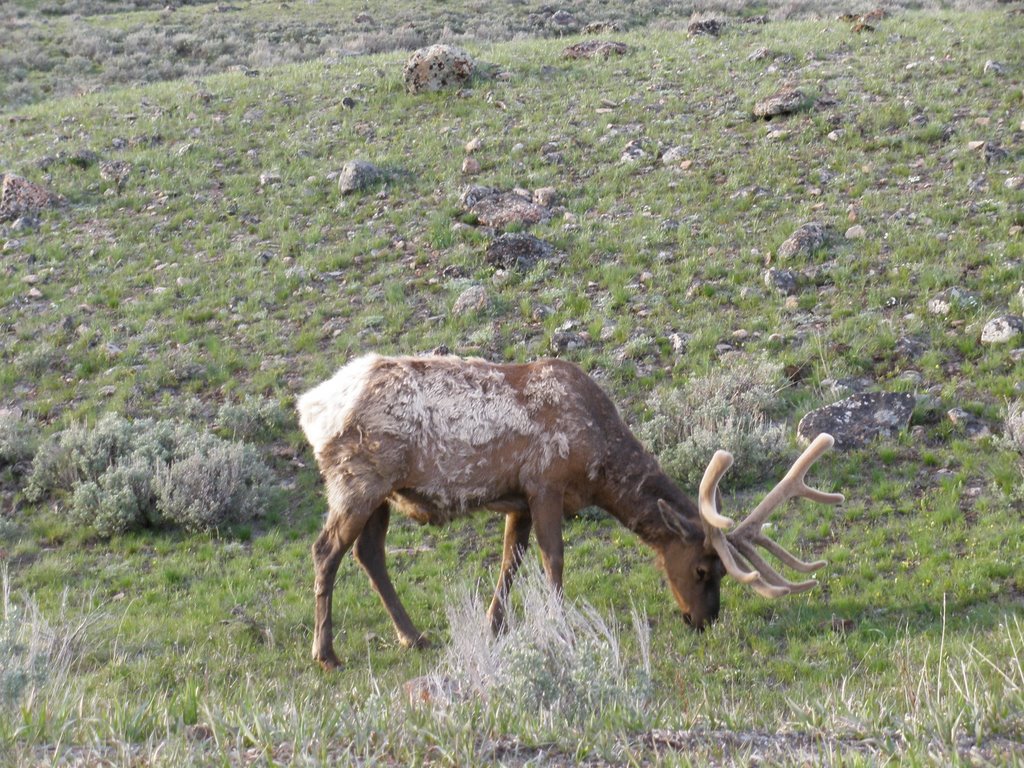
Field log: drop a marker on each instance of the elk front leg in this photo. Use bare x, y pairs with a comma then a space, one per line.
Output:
329, 548
517, 537
369, 551
546, 511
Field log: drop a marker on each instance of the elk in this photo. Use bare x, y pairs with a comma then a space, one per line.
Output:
439, 437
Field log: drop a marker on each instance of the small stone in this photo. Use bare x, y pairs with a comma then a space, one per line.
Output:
518, 250
993, 67
545, 196
783, 102
782, 280
270, 179
856, 232
35, 293
593, 49
30, 279
674, 155
807, 239
1000, 330
473, 299
470, 166
357, 175
567, 341
474, 145
634, 152
972, 427
1014, 182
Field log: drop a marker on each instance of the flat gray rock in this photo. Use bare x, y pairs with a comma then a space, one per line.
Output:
857, 420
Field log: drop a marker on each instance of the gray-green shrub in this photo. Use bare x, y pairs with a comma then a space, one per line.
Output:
253, 418
728, 409
123, 475
559, 661
18, 438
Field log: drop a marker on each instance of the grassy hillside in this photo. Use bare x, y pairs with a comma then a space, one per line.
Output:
226, 274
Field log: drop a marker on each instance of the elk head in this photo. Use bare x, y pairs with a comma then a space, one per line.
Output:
695, 562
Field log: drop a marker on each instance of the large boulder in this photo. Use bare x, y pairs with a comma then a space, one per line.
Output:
497, 209
21, 197
436, 67
857, 420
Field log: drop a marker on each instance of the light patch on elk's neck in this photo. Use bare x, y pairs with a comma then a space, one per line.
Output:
324, 411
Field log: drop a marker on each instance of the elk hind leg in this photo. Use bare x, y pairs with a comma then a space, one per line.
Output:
369, 551
517, 538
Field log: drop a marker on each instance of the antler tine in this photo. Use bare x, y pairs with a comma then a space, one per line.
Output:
708, 498
787, 557
769, 575
791, 485
714, 523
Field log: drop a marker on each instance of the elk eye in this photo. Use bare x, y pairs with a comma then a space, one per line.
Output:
702, 572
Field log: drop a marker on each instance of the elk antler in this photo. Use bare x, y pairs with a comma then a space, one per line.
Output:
736, 549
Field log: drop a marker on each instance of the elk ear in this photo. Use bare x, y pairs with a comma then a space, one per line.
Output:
678, 524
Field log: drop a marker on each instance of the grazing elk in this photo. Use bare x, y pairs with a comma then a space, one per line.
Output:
440, 437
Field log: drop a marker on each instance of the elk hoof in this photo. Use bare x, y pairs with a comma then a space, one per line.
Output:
419, 642
328, 661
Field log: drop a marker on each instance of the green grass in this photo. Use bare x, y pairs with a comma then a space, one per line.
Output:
196, 287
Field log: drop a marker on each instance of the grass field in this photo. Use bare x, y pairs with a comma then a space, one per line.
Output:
226, 274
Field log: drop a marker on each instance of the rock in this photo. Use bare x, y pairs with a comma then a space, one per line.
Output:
470, 166
365, 18
783, 102
952, 298
675, 155
567, 341
545, 196
1014, 182
633, 152
600, 28
807, 239
710, 27
116, 171
518, 250
270, 179
593, 49
437, 67
993, 67
974, 428
25, 223
782, 280
20, 197
1000, 330
857, 420
502, 209
474, 145
473, 299
357, 175
856, 232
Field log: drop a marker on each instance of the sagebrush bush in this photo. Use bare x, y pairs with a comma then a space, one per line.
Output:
18, 438
726, 410
253, 418
556, 660
33, 653
1013, 427
215, 484
123, 475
